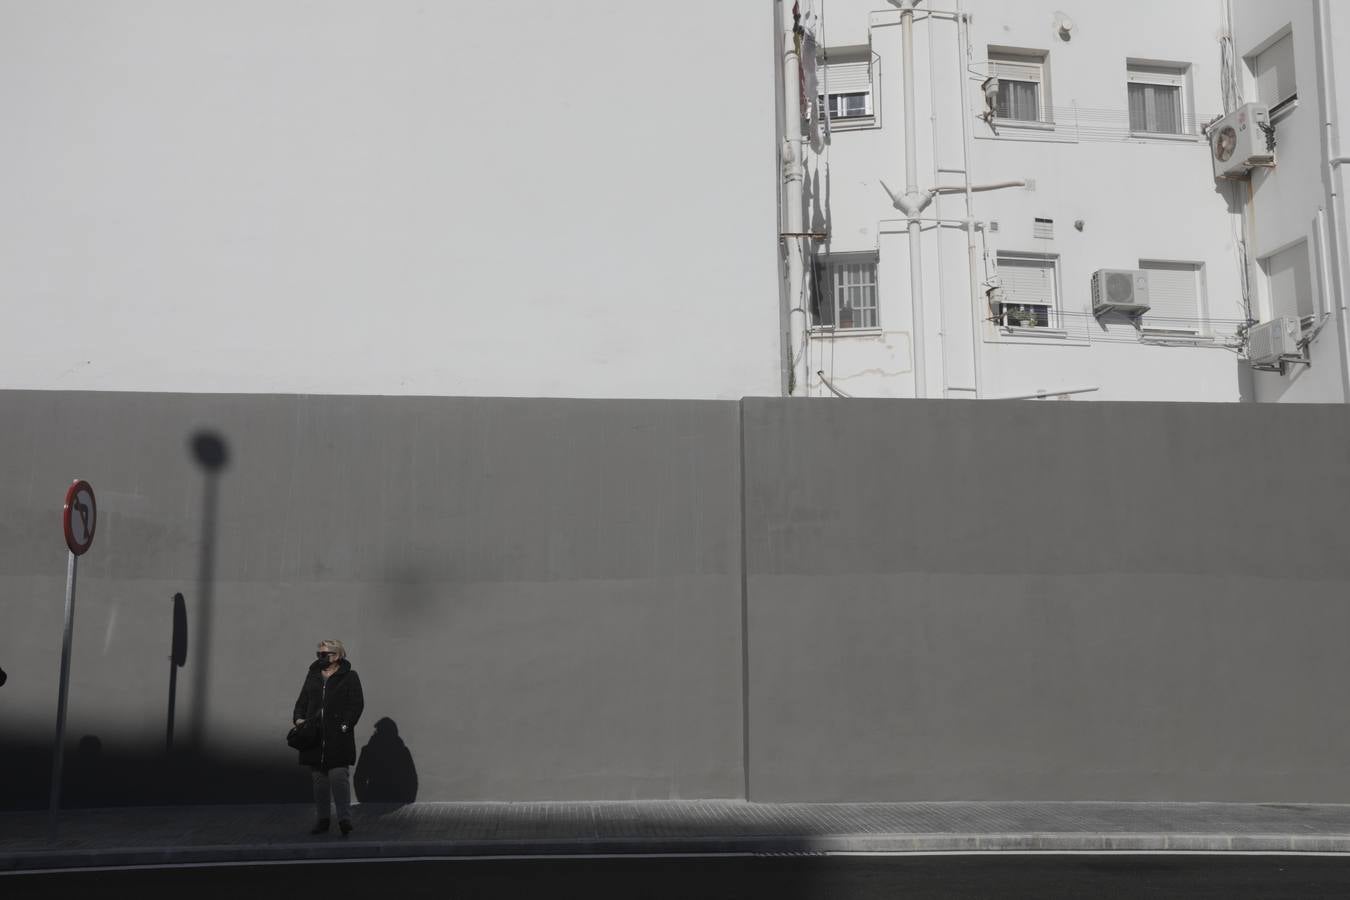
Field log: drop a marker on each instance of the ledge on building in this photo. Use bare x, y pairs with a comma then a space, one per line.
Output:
1165, 137
1177, 338
830, 331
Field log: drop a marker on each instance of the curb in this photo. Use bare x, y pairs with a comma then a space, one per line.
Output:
17, 862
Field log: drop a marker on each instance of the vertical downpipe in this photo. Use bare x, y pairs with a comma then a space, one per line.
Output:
977, 308
937, 213
911, 190
1333, 223
793, 242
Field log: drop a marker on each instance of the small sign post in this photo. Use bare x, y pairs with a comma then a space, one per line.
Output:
78, 518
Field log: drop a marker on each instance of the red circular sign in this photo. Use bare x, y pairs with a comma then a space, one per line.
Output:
79, 516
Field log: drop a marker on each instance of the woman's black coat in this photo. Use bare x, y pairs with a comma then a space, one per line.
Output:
337, 703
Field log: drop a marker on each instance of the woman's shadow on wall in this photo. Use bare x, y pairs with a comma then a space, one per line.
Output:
385, 773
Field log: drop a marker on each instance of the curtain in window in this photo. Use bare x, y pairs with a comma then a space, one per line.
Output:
1155, 108
1019, 100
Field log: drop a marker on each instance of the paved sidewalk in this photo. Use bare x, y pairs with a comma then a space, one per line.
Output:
225, 834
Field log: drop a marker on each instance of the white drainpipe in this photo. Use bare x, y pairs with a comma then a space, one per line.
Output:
945, 387
913, 201
1335, 179
977, 305
1043, 393
794, 242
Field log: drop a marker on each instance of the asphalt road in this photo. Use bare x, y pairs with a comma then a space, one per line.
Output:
793, 877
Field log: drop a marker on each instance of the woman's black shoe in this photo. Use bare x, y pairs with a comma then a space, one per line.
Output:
346, 826
319, 827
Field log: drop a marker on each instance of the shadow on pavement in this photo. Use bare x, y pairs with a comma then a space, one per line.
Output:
99, 773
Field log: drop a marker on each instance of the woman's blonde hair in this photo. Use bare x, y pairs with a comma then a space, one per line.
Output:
335, 645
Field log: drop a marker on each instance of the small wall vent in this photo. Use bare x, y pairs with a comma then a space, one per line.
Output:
1043, 228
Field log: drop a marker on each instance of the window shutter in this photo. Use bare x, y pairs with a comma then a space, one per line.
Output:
1274, 71
1290, 278
1027, 280
1015, 70
1140, 74
1173, 296
853, 77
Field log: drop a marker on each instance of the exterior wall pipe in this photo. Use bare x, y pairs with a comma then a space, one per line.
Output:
1324, 277
843, 395
977, 307
937, 211
1043, 393
895, 226
794, 242
1336, 211
914, 202
968, 187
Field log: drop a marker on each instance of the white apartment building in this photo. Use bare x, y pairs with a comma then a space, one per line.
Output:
1052, 145
281, 196
393, 197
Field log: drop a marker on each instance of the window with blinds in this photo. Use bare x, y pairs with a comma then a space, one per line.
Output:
1157, 98
1174, 297
1289, 283
1030, 291
1021, 85
1273, 71
845, 82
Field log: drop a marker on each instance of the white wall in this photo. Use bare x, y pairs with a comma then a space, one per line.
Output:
396, 197
1285, 200
1137, 199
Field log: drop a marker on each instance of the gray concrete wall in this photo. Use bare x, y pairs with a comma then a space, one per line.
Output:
1047, 601
938, 600
544, 596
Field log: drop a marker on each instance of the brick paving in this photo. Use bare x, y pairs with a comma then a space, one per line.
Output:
230, 834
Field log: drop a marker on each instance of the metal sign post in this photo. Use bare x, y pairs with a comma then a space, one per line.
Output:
78, 518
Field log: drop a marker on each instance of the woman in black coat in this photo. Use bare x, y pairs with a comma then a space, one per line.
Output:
332, 695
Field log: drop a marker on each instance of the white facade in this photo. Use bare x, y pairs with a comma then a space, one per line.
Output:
1298, 208
464, 199
389, 198
1103, 188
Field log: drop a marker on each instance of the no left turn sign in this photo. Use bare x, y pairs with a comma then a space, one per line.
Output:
79, 517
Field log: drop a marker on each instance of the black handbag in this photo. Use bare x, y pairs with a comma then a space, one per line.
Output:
304, 735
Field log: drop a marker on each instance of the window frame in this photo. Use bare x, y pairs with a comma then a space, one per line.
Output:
1308, 322
1054, 320
1030, 59
829, 268
1202, 323
843, 56
1283, 105
1161, 74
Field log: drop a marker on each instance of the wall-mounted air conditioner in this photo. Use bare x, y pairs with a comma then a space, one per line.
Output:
1120, 290
1238, 142
1269, 342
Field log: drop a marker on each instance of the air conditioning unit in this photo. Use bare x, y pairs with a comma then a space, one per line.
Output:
1270, 341
1120, 290
1237, 142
